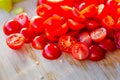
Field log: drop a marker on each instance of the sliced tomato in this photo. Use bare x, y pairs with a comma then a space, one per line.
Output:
15, 41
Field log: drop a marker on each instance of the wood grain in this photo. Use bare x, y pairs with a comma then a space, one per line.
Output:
28, 64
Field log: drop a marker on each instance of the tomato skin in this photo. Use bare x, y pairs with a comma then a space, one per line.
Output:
96, 53
15, 40
117, 25
108, 45
65, 43
28, 34
11, 26
74, 25
39, 42
36, 24
51, 52
80, 51
85, 38
98, 35
117, 39
23, 19
92, 24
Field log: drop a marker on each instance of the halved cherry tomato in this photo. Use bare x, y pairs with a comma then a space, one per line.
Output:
36, 24
51, 52
74, 25
23, 19
99, 34
11, 26
80, 51
85, 38
28, 34
39, 42
65, 43
96, 53
15, 40
108, 45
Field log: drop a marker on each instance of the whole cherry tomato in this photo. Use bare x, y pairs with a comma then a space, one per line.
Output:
15, 40
51, 52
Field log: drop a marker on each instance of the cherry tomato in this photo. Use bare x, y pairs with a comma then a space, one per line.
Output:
65, 43
36, 24
99, 34
28, 34
74, 25
39, 42
11, 26
23, 19
108, 45
117, 25
92, 24
117, 39
51, 52
108, 22
85, 38
88, 2
89, 11
96, 53
15, 40
80, 51
73, 33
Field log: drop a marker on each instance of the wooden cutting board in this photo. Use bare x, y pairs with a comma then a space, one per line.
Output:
28, 64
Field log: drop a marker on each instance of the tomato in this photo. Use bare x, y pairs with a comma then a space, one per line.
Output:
73, 33
117, 39
108, 22
108, 45
11, 26
15, 40
89, 11
39, 42
80, 51
28, 34
23, 19
117, 25
80, 5
98, 35
44, 10
74, 25
65, 43
85, 38
51, 52
92, 24
96, 53
88, 2
36, 24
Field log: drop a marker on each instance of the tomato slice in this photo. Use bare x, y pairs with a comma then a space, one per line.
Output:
51, 52
23, 19
65, 43
15, 41
98, 35
96, 53
80, 51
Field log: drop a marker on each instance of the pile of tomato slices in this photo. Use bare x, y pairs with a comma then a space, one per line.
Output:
85, 29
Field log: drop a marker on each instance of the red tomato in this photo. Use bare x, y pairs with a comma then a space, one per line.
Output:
80, 51
88, 2
44, 10
28, 34
15, 40
65, 43
117, 25
36, 24
92, 24
89, 11
96, 53
108, 22
108, 45
23, 19
51, 52
98, 35
74, 25
73, 33
117, 39
39, 42
11, 26
85, 38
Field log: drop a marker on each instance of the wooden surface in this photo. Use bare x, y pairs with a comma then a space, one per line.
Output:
28, 64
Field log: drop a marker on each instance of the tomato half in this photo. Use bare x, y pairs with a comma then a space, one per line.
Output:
15, 41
